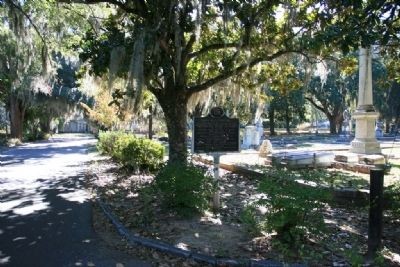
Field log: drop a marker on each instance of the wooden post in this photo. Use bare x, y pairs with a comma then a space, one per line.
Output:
375, 221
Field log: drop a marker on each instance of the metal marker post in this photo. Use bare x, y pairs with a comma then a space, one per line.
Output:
216, 199
375, 211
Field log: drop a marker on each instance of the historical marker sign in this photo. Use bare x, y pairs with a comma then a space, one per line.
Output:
216, 133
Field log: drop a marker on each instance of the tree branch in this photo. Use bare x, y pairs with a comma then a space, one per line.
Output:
139, 8
84, 17
235, 71
211, 47
315, 104
190, 43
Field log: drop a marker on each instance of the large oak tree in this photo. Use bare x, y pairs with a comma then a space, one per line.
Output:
177, 48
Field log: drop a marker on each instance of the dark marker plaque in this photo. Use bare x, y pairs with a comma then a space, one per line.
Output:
215, 134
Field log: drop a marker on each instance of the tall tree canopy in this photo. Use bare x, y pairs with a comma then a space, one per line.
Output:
177, 48
30, 32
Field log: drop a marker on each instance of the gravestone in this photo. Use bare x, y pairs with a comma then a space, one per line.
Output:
252, 136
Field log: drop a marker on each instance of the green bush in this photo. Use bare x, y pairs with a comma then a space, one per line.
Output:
107, 141
120, 143
392, 194
249, 217
137, 154
293, 211
142, 154
185, 188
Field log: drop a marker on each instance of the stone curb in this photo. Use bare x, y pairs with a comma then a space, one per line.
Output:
340, 196
134, 240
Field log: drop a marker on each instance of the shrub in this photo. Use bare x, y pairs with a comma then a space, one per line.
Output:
142, 154
137, 154
392, 194
293, 210
107, 140
121, 142
185, 188
249, 217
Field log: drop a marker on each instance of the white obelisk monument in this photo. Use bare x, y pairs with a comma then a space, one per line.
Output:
365, 115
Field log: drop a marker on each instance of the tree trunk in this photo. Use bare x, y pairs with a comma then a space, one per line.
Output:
332, 125
175, 112
339, 122
45, 125
287, 121
339, 127
387, 125
17, 114
271, 116
151, 122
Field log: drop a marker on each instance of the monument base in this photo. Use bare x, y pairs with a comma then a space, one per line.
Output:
365, 141
353, 158
365, 146
359, 162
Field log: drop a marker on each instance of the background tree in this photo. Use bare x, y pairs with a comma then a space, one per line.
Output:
21, 72
283, 86
30, 31
390, 55
394, 107
385, 92
332, 88
106, 113
287, 108
64, 96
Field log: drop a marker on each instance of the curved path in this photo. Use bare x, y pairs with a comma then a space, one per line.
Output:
45, 212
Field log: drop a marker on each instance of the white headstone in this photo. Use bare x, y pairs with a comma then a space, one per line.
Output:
251, 137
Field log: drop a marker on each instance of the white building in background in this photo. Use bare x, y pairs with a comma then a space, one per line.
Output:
75, 123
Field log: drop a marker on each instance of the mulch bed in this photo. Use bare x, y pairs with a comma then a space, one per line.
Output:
223, 234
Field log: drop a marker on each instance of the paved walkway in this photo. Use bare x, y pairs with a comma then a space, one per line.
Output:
45, 212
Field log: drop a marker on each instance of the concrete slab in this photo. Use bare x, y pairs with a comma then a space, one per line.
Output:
302, 159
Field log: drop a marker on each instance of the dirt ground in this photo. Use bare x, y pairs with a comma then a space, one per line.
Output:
223, 234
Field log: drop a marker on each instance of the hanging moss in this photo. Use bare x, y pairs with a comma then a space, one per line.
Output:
135, 81
117, 56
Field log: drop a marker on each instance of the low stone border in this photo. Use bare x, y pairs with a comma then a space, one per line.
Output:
134, 240
340, 196
355, 167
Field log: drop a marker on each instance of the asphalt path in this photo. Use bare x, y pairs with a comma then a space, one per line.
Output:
45, 211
